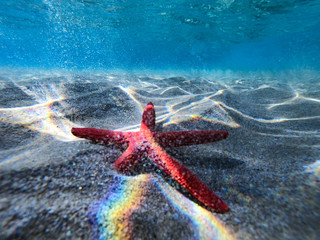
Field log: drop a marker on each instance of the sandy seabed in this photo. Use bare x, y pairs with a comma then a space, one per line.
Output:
55, 186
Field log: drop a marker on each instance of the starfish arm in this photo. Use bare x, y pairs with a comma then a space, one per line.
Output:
148, 143
129, 158
187, 179
100, 135
186, 138
148, 118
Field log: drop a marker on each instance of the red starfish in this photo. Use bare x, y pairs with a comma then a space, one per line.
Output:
149, 144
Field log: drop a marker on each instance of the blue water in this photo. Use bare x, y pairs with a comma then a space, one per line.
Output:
138, 34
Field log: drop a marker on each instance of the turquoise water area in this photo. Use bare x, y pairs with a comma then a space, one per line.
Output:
137, 34
249, 67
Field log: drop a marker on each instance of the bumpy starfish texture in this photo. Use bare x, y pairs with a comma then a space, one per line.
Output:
149, 144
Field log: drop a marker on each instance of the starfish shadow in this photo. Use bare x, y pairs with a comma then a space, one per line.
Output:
146, 167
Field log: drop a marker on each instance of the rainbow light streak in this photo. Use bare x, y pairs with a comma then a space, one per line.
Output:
314, 169
41, 117
113, 214
206, 224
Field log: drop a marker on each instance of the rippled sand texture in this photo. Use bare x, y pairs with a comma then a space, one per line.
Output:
54, 185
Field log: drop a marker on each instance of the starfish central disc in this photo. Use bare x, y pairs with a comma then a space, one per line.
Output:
149, 144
